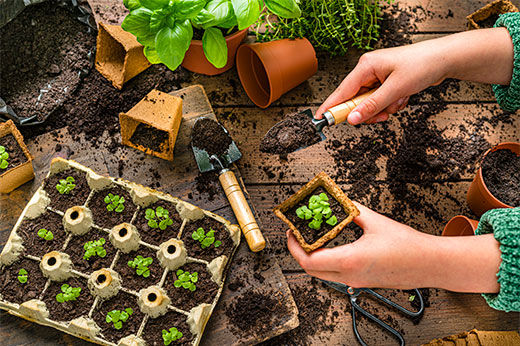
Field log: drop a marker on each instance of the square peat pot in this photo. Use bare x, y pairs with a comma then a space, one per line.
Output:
119, 56
152, 124
341, 207
22, 171
487, 15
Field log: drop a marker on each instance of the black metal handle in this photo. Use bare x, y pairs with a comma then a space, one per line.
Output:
397, 306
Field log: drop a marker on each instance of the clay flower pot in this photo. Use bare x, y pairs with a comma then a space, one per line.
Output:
119, 57
196, 61
268, 70
491, 10
460, 226
479, 197
13, 177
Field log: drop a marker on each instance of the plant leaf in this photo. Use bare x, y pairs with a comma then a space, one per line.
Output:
131, 4
284, 8
333, 220
4, 164
187, 9
154, 4
247, 12
138, 22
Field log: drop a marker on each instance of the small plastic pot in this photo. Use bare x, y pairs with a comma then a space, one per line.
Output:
196, 61
268, 70
460, 226
479, 198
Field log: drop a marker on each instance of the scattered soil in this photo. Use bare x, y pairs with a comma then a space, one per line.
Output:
44, 61
120, 302
155, 236
210, 136
108, 219
37, 246
76, 251
16, 155
501, 173
150, 137
154, 327
13, 290
193, 246
185, 299
71, 309
489, 22
78, 195
294, 132
208, 185
311, 235
129, 277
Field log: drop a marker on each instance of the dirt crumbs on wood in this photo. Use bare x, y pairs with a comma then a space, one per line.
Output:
150, 137
210, 136
295, 131
16, 155
501, 173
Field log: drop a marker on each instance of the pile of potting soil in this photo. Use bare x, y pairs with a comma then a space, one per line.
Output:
501, 173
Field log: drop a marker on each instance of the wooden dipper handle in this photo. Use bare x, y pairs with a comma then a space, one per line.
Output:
341, 111
242, 211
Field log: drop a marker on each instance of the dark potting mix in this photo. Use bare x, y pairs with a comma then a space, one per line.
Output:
501, 173
210, 136
15, 155
150, 137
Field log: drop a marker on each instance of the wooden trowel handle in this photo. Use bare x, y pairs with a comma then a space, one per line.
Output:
242, 211
341, 111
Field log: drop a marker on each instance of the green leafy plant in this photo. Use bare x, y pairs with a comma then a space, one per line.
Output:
170, 336
165, 27
141, 265
22, 275
115, 203
160, 218
94, 248
117, 317
68, 293
205, 239
4, 155
65, 186
186, 280
317, 211
45, 234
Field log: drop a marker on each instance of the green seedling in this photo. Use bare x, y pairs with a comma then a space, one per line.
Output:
68, 293
171, 336
45, 234
65, 186
117, 317
4, 155
94, 248
411, 298
318, 210
160, 218
115, 203
206, 239
186, 280
141, 265
22, 276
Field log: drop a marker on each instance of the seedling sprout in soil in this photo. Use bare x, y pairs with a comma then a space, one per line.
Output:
22, 276
160, 218
65, 186
4, 155
68, 293
117, 317
94, 248
205, 239
171, 336
45, 234
318, 209
141, 265
115, 203
186, 280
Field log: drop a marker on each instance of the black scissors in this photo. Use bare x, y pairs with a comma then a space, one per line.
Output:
353, 293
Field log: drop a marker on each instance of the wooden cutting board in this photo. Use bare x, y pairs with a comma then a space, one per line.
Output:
249, 272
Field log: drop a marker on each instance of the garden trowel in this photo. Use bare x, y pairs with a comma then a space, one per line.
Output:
232, 189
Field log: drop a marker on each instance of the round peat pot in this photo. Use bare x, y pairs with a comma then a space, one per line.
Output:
268, 70
460, 226
196, 61
479, 197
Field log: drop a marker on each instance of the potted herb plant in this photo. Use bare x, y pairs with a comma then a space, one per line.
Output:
201, 35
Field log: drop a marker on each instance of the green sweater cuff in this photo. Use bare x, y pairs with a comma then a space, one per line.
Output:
508, 96
505, 225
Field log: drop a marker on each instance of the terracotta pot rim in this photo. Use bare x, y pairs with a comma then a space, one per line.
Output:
228, 38
469, 221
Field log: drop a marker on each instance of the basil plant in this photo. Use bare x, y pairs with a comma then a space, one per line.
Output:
165, 27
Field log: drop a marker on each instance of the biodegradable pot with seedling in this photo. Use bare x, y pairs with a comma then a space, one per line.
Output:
15, 160
488, 15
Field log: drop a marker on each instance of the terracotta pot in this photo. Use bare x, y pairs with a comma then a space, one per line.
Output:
479, 198
268, 70
196, 61
460, 226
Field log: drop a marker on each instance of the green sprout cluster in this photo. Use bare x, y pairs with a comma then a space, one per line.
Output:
141, 265
205, 239
117, 317
160, 218
22, 276
171, 336
317, 211
94, 248
68, 293
186, 280
65, 186
45, 234
115, 203
4, 155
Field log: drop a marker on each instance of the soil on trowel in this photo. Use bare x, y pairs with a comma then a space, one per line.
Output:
294, 132
150, 137
501, 173
45, 53
210, 136
489, 22
16, 155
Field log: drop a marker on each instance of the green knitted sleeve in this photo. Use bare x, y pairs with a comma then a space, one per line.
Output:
508, 96
505, 225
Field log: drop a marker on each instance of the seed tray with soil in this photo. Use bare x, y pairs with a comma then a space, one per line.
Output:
98, 277
501, 174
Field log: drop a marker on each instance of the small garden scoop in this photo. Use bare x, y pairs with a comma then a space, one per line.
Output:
232, 189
